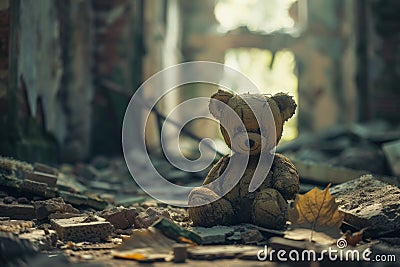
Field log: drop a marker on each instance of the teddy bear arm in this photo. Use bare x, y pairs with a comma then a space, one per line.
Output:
285, 177
217, 211
217, 170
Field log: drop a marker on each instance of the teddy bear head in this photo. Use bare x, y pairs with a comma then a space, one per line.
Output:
246, 122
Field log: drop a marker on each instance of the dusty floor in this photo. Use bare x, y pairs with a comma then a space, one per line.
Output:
38, 202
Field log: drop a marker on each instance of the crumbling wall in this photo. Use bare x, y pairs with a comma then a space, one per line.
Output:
71, 66
53, 87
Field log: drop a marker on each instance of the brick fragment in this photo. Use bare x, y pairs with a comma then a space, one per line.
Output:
44, 208
80, 229
17, 211
41, 177
120, 218
45, 168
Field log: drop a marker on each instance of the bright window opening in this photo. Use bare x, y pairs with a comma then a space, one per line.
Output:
271, 74
263, 16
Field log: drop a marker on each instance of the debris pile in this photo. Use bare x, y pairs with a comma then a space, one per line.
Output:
343, 153
95, 213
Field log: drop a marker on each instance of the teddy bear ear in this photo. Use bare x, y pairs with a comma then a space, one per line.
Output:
215, 105
286, 105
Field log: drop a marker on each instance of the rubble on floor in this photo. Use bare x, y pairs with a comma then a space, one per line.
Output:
84, 228
45, 209
343, 153
369, 202
214, 235
94, 212
120, 217
42, 239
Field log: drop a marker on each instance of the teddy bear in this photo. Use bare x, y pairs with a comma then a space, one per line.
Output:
267, 205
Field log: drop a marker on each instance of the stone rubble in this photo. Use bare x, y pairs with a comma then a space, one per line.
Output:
82, 228
369, 202
120, 217
86, 210
44, 208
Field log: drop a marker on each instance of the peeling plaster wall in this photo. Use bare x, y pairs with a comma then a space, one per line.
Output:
54, 71
73, 65
39, 62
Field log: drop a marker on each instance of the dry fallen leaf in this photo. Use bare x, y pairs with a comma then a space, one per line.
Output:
145, 245
354, 238
315, 211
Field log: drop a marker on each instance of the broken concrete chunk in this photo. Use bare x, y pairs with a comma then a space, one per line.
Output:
63, 215
46, 207
236, 237
251, 236
9, 181
79, 229
17, 211
83, 200
40, 167
95, 202
369, 202
213, 235
75, 199
37, 188
42, 239
392, 152
120, 217
41, 177
148, 217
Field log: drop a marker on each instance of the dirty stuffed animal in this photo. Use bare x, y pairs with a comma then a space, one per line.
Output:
267, 205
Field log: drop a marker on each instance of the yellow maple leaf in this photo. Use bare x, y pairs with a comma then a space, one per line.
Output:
317, 211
